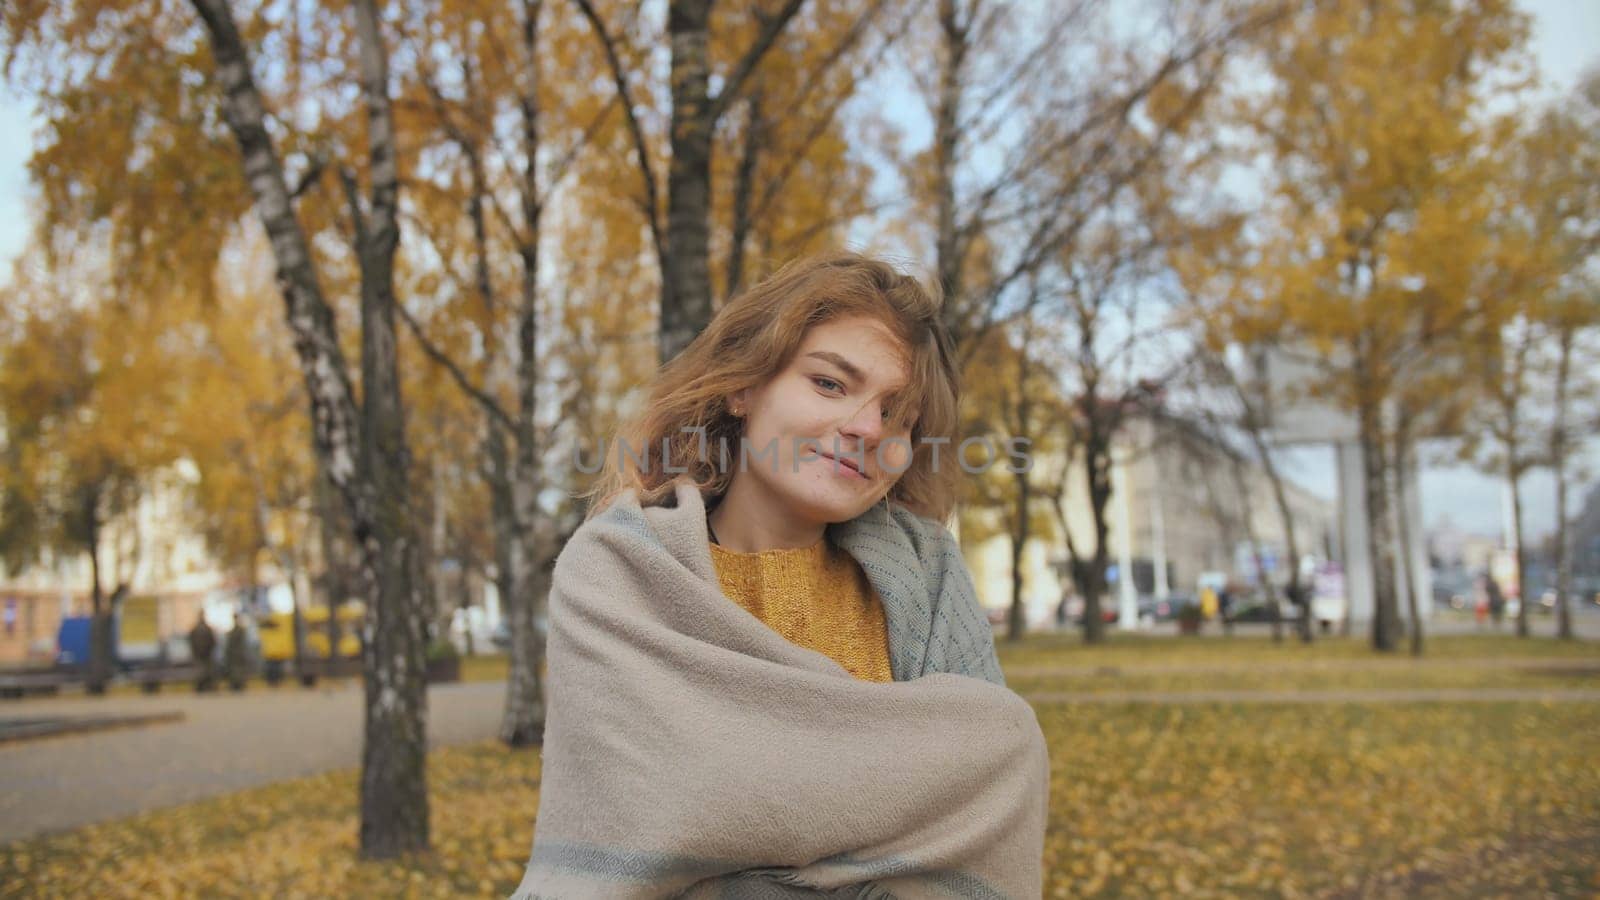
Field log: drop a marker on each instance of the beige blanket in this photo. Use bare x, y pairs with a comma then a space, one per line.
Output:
691, 751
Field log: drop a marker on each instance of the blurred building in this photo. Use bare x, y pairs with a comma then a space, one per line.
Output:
1586, 539
1298, 413
173, 579
1179, 510
1450, 548
168, 570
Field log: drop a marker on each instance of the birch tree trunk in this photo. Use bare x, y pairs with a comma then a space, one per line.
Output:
1514, 476
686, 272
1558, 458
1402, 482
1254, 427
500, 506
1280, 497
522, 723
1097, 467
334, 533
955, 43
394, 800
366, 458
743, 189
1241, 486
1022, 425
101, 644
1380, 547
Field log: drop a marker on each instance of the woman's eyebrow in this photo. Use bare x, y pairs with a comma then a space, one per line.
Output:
849, 368
845, 364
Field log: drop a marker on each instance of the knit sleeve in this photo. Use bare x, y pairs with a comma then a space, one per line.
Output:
968, 645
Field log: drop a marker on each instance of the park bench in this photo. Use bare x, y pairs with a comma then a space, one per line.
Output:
18, 683
151, 678
315, 668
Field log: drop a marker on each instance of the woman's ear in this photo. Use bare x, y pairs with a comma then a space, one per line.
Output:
738, 404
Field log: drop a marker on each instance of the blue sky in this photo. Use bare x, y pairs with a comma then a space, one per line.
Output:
1566, 33
17, 123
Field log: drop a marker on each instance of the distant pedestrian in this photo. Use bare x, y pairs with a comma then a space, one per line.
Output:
202, 649
235, 651
1497, 601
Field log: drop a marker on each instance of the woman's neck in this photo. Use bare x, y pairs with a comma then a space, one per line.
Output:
748, 524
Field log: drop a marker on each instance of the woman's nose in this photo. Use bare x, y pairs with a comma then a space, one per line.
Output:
867, 423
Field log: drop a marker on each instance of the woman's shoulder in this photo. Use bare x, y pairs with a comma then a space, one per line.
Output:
624, 526
905, 539
614, 514
916, 564
620, 519
921, 529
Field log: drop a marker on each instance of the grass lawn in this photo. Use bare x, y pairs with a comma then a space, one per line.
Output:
1220, 800
1258, 649
1431, 799
296, 839
483, 668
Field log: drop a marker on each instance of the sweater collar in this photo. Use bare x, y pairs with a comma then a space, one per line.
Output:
888, 543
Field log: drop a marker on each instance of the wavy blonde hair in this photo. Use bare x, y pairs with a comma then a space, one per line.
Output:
749, 341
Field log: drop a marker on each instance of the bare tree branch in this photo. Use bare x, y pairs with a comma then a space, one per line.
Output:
650, 199
308, 179
443, 360
770, 29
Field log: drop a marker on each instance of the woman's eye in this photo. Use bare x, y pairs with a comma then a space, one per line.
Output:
825, 383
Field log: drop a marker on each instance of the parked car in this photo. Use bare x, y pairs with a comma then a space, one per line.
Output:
1163, 610
1108, 613
1259, 611
1108, 608
72, 641
276, 637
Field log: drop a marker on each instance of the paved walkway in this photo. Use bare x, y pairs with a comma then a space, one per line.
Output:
35, 727
225, 742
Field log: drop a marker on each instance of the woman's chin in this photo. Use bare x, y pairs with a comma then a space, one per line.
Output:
832, 503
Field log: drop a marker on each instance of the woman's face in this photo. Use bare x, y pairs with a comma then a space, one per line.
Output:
809, 429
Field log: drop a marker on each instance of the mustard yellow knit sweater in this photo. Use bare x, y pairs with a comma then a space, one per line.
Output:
817, 597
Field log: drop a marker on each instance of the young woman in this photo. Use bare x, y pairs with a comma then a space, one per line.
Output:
768, 671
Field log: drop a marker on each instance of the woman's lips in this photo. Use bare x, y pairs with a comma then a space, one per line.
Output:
846, 467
